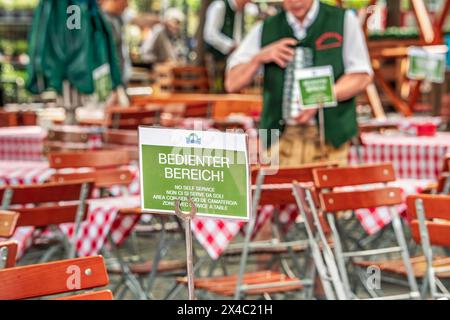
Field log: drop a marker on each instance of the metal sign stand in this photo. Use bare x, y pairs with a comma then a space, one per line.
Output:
322, 131
187, 218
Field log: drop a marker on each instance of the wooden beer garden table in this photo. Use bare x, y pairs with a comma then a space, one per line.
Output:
223, 104
194, 98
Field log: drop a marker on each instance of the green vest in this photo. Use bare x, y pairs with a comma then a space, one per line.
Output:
324, 37
227, 29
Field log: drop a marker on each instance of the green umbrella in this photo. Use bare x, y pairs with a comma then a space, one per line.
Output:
58, 53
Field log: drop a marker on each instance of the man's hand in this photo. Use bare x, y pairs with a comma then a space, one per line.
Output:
280, 52
305, 116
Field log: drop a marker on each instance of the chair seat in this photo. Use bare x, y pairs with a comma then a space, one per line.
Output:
146, 267
419, 266
226, 285
275, 249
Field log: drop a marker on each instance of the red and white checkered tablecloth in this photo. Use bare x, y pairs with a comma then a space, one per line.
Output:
22, 143
101, 220
412, 157
29, 172
24, 172
101, 216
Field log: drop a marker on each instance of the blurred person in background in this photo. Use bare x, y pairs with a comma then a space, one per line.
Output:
322, 35
163, 43
222, 33
307, 33
115, 12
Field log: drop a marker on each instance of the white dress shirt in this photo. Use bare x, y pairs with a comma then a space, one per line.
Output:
355, 53
215, 18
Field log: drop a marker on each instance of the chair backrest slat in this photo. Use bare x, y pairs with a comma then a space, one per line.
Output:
284, 175
438, 233
48, 192
11, 247
102, 178
338, 201
69, 134
52, 278
94, 159
8, 222
353, 176
46, 216
276, 196
435, 206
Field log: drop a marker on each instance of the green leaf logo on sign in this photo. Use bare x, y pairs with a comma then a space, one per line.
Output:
193, 139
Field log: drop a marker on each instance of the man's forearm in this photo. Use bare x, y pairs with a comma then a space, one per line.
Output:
350, 85
241, 75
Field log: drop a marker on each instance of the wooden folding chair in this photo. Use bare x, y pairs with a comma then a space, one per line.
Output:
272, 186
49, 208
54, 278
103, 166
261, 283
8, 254
442, 186
430, 226
333, 202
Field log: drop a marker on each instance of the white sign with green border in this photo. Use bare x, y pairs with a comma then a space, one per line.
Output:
315, 87
209, 167
426, 65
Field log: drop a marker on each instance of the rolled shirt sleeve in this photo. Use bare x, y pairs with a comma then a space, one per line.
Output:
355, 53
249, 47
212, 32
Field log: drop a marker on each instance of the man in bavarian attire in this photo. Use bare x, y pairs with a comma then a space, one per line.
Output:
307, 33
222, 33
